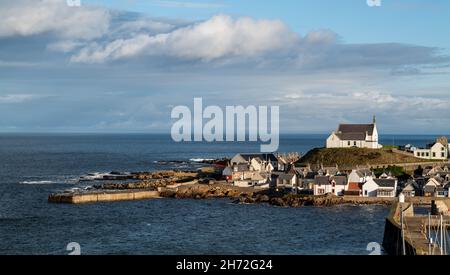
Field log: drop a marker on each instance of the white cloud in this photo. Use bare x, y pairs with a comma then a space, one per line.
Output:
65, 46
16, 98
188, 5
219, 37
30, 17
144, 24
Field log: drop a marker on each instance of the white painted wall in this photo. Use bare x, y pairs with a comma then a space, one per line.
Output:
434, 153
339, 190
326, 188
370, 188
371, 142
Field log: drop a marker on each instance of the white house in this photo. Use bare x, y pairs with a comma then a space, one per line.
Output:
436, 151
409, 191
322, 185
360, 175
250, 169
370, 188
252, 179
286, 180
338, 185
355, 136
256, 162
387, 188
382, 188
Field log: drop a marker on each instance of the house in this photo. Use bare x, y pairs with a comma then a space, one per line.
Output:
430, 188
382, 188
328, 171
322, 185
250, 169
253, 179
387, 188
256, 162
435, 151
360, 175
227, 173
282, 163
308, 180
287, 181
370, 188
441, 192
353, 189
338, 184
410, 190
355, 136
434, 171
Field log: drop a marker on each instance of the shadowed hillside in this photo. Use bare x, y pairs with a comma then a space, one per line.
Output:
350, 157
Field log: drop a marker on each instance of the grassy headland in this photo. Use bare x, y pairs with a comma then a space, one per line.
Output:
351, 157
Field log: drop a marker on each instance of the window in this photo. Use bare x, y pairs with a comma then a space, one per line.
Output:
354, 143
365, 193
349, 143
443, 155
428, 154
434, 154
385, 193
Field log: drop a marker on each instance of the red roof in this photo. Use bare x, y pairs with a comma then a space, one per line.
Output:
221, 164
354, 186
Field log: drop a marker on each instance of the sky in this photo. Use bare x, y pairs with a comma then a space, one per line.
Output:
121, 66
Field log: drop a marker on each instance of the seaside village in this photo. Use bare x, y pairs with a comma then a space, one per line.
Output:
264, 171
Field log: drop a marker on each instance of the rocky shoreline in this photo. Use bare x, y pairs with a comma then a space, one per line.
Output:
252, 196
188, 185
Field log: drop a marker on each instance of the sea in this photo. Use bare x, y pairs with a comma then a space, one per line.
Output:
32, 166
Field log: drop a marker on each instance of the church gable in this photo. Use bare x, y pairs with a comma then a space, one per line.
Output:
355, 135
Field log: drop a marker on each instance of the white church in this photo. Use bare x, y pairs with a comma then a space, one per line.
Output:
355, 136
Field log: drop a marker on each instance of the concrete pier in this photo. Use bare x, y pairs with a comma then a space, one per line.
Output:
414, 230
103, 196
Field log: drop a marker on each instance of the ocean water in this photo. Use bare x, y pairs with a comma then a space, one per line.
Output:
34, 165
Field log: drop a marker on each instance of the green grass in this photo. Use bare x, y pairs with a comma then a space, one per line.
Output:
351, 157
390, 147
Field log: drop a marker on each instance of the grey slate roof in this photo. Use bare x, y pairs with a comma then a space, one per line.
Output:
311, 175
322, 180
242, 167
385, 182
429, 189
268, 157
340, 180
355, 131
286, 176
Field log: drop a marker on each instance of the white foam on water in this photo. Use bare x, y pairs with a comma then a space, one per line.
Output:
38, 182
200, 160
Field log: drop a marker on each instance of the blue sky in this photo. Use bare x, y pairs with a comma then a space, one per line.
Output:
120, 66
409, 21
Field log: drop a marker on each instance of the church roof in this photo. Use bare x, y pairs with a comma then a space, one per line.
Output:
355, 131
356, 128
